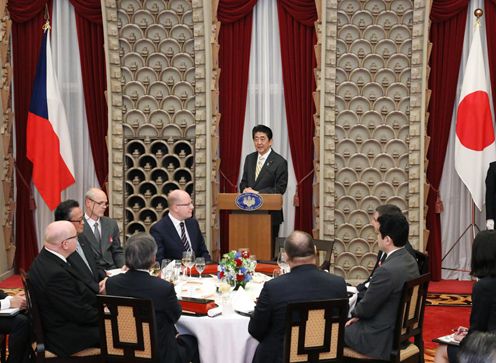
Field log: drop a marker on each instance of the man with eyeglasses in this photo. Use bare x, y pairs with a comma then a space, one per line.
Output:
67, 305
102, 232
178, 231
83, 259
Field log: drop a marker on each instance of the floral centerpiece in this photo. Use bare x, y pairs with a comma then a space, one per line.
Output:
236, 267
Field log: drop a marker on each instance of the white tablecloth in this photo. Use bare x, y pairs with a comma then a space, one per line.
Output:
224, 338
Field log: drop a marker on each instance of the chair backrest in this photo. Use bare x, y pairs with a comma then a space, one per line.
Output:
410, 318
422, 261
324, 246
315, 331
34, 313
129, 329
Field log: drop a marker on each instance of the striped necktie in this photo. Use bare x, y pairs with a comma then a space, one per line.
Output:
184, 240
259, 167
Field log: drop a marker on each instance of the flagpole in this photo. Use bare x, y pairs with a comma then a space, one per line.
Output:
478, 14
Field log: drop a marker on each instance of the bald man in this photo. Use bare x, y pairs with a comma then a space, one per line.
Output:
305, 282
67, 304
178, 231
102, 232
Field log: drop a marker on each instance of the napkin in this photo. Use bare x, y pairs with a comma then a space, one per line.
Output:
242, 302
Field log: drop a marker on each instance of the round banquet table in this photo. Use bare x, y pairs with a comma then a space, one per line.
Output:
224, 338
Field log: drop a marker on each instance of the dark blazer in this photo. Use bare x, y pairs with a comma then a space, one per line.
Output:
141, 285
111, 254
372, 335
272, 179
67, 305
92, 277
483, 314
362, 288
491, 191
304, 282
169, 243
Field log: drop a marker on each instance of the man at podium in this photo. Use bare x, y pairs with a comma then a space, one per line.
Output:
265, 171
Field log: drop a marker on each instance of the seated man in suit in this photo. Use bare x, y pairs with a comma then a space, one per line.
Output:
83, 259
381, 256
67, 304
17, 327
136, 282
304, 282
265, 171
370, 330
102, 232
177, 231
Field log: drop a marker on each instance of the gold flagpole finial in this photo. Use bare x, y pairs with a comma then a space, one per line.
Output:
478, 13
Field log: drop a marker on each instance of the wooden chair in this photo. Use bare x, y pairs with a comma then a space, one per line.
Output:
324, 246
422, 261
128, 329
315, 331
89, 355
409, 323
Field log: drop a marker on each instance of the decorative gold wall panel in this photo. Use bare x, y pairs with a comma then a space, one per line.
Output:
371, 122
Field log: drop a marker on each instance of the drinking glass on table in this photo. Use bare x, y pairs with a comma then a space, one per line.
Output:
200, 264
253, 263
188, 260
155, 269
282, 262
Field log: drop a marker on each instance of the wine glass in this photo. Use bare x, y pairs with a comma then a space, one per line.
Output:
253, 263
155, 269
187, 258
200, 264
281, 261
226, 286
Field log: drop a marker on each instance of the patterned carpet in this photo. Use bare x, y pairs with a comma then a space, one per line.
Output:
447, 299
443, 312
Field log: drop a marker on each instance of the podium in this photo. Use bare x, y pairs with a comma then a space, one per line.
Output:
252, 229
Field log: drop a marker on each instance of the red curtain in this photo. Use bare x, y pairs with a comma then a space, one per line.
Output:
490, 18
90, 39
298, 38
27, 21
447, 32
234, 60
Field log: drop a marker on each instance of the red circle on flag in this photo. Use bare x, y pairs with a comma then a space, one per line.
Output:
474, 125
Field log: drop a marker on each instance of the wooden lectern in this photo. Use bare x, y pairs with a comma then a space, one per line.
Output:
250, 229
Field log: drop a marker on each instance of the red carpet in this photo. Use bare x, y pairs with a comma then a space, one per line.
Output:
440, 319
451, 286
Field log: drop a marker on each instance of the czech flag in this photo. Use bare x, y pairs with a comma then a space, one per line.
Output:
48, 142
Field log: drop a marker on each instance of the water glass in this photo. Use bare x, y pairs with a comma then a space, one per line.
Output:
155, 269
200, 264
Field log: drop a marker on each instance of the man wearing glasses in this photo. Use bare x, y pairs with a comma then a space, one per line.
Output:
178, 231
67, 305
102, 232
83, 259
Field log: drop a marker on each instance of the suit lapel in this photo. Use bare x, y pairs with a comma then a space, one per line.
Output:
191, 232
173, 232
265, 166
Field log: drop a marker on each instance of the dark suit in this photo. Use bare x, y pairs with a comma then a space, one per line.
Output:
491, 191
272, 179
267, 324
372, 335
362, 287
67, 305
110, 254
169, 243
141, 285
90, 277
483, 313
18, 329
